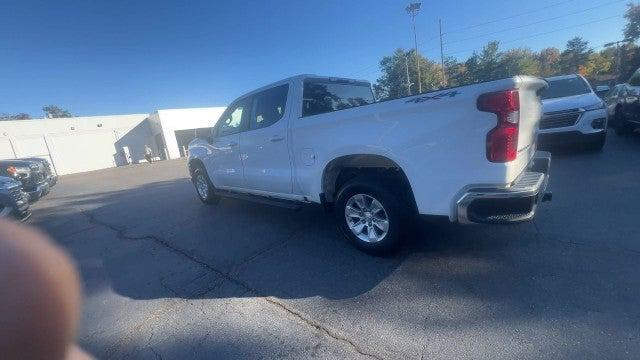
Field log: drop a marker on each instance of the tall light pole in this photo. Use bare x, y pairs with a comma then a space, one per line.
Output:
412, 10
406, 63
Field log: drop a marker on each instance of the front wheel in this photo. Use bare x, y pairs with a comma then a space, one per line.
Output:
597, 144
622, 127
370, 215
204, 188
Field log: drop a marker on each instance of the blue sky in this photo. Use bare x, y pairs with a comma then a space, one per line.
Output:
116, 57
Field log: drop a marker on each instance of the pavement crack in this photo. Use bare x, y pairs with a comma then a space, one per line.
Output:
320, 327
121, 234
277, 245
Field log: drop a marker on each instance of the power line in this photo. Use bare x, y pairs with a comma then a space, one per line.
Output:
510, 17
541, 34
535, 23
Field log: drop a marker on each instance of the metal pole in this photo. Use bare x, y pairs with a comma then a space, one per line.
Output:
618, 55
618, 60
415, 41
444, 70
406, 63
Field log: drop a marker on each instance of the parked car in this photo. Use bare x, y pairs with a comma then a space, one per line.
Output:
29, 173
50, 175
623, 104
466, 153
13, 201
573, 114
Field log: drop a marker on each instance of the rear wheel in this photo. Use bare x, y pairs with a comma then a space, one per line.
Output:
370, 215
204, 187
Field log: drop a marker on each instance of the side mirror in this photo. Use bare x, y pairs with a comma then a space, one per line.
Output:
205, 134
602, 90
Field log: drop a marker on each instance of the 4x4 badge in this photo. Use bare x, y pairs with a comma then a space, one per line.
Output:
439, 96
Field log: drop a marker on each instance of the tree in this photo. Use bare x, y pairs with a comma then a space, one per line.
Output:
520, 61
549, 59
53, 111
597, 64
393, 82
629, 60
456, 71
576, 54
489, 62
18, 116
632, 29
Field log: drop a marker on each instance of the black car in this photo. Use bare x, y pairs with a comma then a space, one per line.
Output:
52, 177
30, 173
13, 201
623, 104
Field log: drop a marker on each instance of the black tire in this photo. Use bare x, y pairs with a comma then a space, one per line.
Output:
395, 210
622, 127
206, 194
597, 144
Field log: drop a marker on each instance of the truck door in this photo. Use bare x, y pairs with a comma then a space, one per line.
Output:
264, 146
223, 163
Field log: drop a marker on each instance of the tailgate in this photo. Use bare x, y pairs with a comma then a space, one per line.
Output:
530, 113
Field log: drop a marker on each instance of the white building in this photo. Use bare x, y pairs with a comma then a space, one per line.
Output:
88, 143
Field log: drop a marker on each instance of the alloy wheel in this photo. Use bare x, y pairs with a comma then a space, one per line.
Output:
366, 218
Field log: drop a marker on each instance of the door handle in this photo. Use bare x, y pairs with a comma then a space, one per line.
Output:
275, 138
232, 143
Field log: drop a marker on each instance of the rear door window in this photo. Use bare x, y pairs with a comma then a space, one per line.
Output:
269, 106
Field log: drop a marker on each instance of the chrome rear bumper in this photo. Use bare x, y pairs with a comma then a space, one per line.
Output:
514, 203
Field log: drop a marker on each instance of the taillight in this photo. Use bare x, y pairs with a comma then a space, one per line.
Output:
502, 140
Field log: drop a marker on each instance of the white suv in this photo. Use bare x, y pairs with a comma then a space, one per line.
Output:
573, 114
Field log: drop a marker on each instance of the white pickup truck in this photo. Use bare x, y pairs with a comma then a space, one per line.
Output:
466, 153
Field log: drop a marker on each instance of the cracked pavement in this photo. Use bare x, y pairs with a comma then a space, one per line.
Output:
165, 276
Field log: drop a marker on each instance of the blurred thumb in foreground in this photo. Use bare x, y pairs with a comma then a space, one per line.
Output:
40, 302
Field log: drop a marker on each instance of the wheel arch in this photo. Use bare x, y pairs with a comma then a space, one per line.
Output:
343, 168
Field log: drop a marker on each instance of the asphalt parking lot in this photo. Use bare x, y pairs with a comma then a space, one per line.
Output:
165, 276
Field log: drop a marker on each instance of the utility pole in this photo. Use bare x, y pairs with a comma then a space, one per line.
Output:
444, 70
406, 64
412, 10
618, 54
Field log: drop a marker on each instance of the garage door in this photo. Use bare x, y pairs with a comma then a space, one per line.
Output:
30, 146
6, 151
83, 151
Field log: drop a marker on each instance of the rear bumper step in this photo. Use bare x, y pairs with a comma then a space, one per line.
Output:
515, 203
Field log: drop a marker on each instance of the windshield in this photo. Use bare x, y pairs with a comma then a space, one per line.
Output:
566, 87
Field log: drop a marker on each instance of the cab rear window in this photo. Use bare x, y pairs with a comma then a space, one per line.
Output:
322, 96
